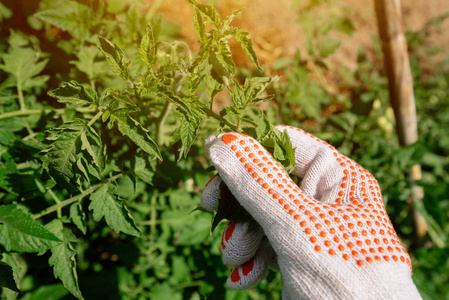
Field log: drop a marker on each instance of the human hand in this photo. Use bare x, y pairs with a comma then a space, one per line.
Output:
331, 236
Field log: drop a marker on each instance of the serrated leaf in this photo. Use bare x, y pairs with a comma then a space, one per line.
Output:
115, 57
135, 131
20, 232
142, 171
188, 132
86, 62
75, 18
91, 143
23, 65
327, 47
74, 93
263, 127
105, 204
207, 11
247, 46
148, 48
47, 292
63, 257
63, 151
200, 27
7, 277
231, 17
78, 216
222, 65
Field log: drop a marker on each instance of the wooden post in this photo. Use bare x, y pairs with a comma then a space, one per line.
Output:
402, 99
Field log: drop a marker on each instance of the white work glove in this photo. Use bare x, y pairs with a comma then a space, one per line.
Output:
331, 238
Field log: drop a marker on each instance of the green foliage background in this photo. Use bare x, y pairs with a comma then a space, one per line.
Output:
102, 116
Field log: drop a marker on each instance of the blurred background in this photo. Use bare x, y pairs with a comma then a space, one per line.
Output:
332, 83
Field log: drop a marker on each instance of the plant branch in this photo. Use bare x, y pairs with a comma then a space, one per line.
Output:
95, 118
69, 201
212, 114
28, 112
20, 94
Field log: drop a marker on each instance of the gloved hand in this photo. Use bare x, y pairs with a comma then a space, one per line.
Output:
330, 237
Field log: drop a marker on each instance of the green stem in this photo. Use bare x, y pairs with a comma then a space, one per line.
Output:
153, 216
161, 121
153, 9
20, 94
210, 113
95, 118
69, 201
56, 199
28, 112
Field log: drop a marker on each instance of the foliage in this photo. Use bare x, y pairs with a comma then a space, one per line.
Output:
101, 159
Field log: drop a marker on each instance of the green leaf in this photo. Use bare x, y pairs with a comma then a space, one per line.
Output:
20, 232
223, 66
148, 48
23, 65
263, 127
5, 13
63, 257
115, 57
47, 292
327, 47
188, 132
74, 18
142, 170
7, 277
78, 216
91, 143
105, 204
63, 151
135, 131
247, 46
200, 27
87, 63
74, 93
231, 17
207, 11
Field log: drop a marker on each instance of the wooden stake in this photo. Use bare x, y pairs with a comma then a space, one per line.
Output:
402, 99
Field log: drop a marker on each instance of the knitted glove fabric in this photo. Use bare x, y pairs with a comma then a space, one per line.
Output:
330, 237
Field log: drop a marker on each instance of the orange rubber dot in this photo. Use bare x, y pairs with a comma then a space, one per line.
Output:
331, 251
327, 243
343, 185
308, 213
341, 247
308, 230
242, 142
336, 239
402, 258
291, 212
228, 138
275, 196
386, 258
355, 253
251, 155
364, 252
313, 239
265, 185
390, 249
377, 258
297, 217
265, 170
337, 220
332, 230
234, 147
327, 222
238, 154
270, 191
345, 257
242, 160
381, 250
360, 263
341, 193
281, 201
247, 149
286, 207
323, 234
355, 234
360, 224
255, 175
395, 258
317, 209
303, 223
376, 241
359, 243
317, 248
318, 226
350, 245
259, 180
346, 217
350, 225
341, 227
368, 242
331, 213
369, 260
255, 160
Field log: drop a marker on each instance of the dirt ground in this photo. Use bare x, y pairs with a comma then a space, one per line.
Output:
275, 34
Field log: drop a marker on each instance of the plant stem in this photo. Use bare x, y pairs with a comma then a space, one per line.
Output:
161, 120
20, 94
69, 201
28, 112
56, 199
95, 118
210, 113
